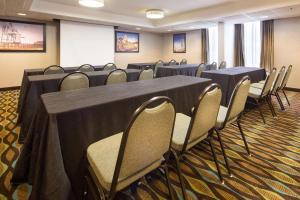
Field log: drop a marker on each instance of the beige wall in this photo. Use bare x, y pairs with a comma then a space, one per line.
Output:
287, 47
151, 45
13, 64
193, 48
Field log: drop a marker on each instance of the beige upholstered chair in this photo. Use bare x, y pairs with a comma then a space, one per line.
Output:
276, 86
121, 159
200, 69
284, 83
74, 81
146, 74
233, 113
116, 76
183, 62
54, 69
86, 68
109, 66
222, 65
157, 65
213, 66
261, 95
191, 130
172, 62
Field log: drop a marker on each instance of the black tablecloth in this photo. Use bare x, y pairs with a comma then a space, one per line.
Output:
229, 77
41, 84
54, 154
142, 66
40, 71
187, 70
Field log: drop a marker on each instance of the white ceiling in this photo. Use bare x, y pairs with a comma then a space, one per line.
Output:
180, 14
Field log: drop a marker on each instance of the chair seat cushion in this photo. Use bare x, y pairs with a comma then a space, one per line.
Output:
182, 123
255, 92
258, 85
102, 157
262, 82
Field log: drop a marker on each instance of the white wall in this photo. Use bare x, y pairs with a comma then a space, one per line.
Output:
151, 47
193, 48
287, 47
82, 43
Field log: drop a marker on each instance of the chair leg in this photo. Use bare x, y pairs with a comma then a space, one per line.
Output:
216, 160
286, 97
269, 101
279, 101
183, 189
165, 168
260, 111
224, 153
243, 136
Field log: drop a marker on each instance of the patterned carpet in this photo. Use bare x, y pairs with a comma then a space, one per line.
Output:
273, 171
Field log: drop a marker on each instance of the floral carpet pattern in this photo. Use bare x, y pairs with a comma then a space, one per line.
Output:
272, 172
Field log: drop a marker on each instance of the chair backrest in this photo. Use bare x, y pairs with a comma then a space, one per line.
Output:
109, 66
172, 62
278, 80
238, 99
146, 74
86, 68
286, 77
269, 83
74, 81
54, 69
116, 76
147, 138
157, 65
213, 66
205, 114
222, 65
183, 62
200, 69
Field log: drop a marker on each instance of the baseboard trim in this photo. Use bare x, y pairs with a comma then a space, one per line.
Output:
292, 89
10, 88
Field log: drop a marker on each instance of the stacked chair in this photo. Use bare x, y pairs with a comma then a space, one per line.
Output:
74, 81
122, 159
54, 69
86, 68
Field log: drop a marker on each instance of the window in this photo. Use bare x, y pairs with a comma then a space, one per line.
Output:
229, 44
252, 37
213, 44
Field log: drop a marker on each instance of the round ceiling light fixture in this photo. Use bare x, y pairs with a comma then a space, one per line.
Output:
92, 3
155, 14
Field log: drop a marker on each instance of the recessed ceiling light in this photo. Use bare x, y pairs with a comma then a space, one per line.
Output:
92, 3
138, 28
155, 14
169, 30
22, 14
264, 17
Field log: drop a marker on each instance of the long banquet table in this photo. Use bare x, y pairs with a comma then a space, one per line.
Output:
142, 66
40, 71
187, 70
228, 78
53, 159
40, 84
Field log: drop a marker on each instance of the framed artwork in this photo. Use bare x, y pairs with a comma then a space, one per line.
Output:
127, 42
18, 36
179, 43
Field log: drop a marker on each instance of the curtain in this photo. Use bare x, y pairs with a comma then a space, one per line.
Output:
205, 45
267, 45
213, 44
239, 45
252, 43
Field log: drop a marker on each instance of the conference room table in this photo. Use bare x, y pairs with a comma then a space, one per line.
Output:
229, 77
142, 66
53, 158
187, 70
40, 71
37, 85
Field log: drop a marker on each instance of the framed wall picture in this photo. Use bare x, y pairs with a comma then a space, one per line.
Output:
19, 36
127, 42
179, 43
